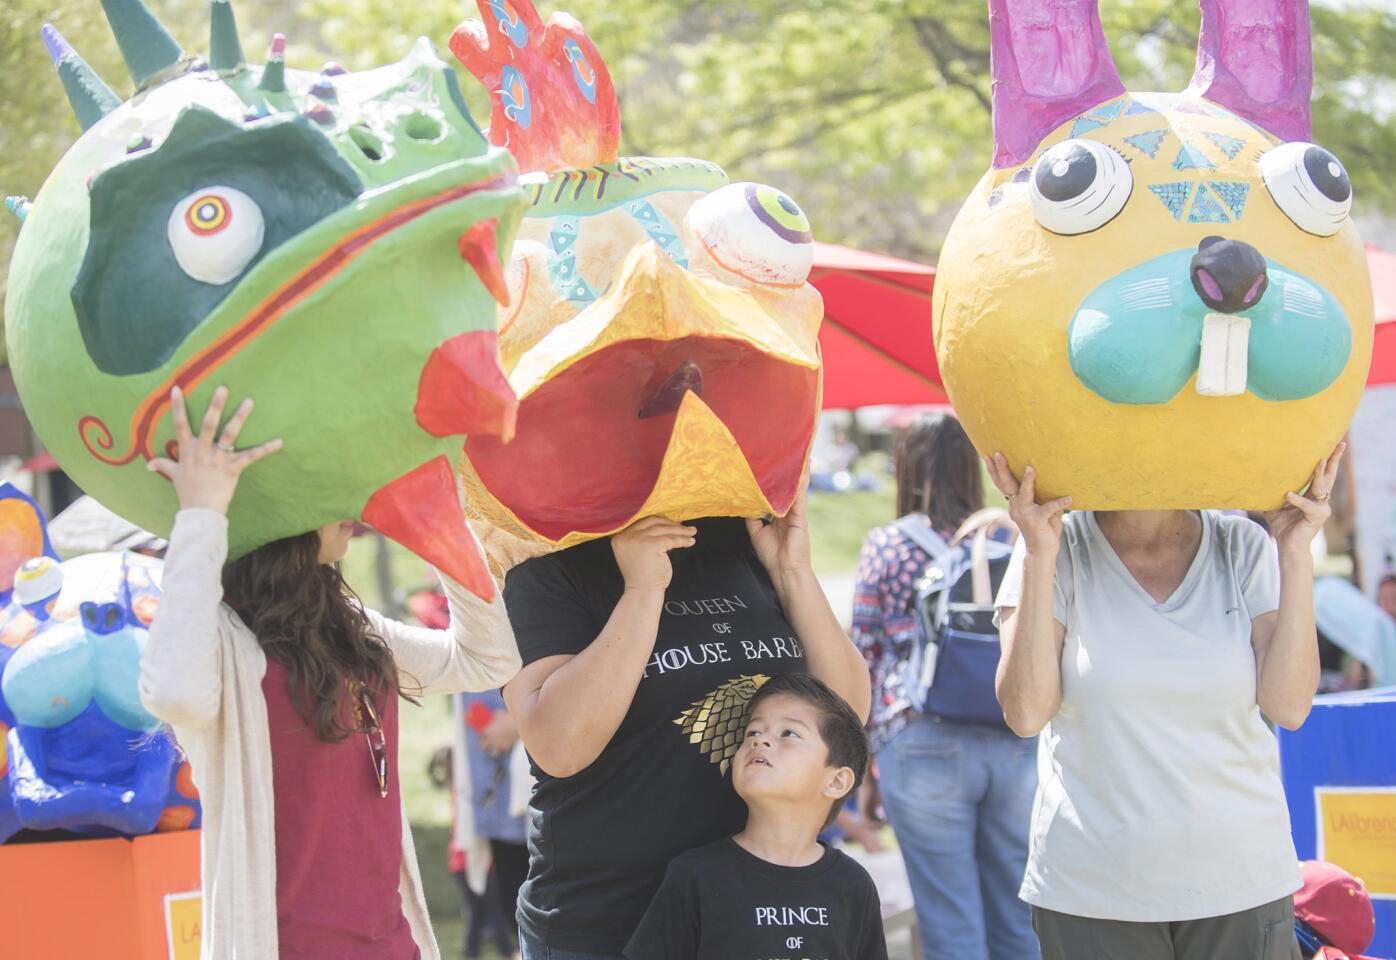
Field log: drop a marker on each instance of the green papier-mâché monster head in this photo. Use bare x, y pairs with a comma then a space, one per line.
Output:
328, 244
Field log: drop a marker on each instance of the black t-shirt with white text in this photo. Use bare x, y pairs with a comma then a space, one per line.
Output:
720, 902
599, 840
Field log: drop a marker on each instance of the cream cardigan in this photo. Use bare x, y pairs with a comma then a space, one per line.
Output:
202, 674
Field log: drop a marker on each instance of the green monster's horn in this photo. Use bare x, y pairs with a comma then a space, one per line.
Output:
224, 49
91, 98
146, 46
274, 73
19, 206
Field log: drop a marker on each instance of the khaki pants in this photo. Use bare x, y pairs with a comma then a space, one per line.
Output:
1261, 933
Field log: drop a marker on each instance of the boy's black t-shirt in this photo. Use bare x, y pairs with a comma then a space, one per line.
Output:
599, 840
720, 902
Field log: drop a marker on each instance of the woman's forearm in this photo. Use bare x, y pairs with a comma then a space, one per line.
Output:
1029, 680
1289, 668
180, 673
829, 654
566, 719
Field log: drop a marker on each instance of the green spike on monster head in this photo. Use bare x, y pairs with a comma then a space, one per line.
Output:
331, 249
145, 44
87, 92
224, 47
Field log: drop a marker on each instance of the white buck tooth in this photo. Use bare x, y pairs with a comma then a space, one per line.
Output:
1221, 371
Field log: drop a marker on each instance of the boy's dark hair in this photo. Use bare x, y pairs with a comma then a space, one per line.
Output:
839, 727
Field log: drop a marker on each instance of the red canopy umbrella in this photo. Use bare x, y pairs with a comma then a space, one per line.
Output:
1383, 269
876, 336
877, 327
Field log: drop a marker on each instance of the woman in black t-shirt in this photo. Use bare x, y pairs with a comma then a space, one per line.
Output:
638, 665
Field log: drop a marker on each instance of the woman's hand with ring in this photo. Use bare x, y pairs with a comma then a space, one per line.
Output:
206, 470
1295, 525
1039, 524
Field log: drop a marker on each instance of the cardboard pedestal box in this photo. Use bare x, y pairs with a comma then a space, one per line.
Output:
116, 899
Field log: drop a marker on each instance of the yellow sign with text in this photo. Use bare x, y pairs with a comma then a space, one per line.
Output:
1357, 831
182, 920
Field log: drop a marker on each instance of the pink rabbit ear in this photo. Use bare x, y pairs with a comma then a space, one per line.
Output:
1049, 63
1253, 58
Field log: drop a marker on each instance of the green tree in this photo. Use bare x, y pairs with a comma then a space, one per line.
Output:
872, 113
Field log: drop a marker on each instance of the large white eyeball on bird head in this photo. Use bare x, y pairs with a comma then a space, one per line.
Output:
754, 234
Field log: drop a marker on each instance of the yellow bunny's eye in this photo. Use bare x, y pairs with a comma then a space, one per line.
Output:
1078, 186
1310, 185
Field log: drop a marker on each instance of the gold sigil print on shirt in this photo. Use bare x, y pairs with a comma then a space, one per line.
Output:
715, 723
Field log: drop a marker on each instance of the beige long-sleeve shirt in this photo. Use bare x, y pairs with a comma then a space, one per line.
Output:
202, 674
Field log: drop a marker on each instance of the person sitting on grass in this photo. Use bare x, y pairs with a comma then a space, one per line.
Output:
773, 890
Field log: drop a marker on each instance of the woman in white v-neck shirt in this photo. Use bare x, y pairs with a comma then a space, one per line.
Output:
1149, 648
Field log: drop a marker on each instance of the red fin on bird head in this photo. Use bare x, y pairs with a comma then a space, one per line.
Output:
463, 391
552, 101
421, 511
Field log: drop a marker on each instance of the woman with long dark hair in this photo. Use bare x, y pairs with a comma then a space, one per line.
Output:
283, 690
958, 794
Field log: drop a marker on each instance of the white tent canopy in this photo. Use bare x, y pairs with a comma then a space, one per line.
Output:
88, 527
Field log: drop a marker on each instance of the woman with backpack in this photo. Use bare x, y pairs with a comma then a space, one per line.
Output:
1150, 648
957, 789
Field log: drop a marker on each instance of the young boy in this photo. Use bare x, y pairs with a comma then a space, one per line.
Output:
772, 892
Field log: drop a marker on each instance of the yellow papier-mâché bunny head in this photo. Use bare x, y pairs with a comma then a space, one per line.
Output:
1157, 300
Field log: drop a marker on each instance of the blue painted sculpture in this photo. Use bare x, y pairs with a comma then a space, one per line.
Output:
79, 751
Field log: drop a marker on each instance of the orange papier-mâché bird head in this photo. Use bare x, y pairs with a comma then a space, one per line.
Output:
661, 334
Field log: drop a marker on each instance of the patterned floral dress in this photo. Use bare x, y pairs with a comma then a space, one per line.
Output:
884, 624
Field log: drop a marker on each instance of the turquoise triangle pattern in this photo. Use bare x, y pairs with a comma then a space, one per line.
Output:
660, 230
1190, 158
1205, 209
1136, 108
1231, 146
1083, 124
1147, 143
1173, 195
1233, 193
1110, 111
